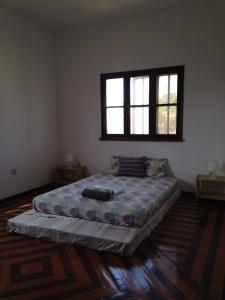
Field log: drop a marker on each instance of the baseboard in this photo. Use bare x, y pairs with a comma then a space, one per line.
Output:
29, 193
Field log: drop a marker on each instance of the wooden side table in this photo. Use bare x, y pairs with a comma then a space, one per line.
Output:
68, 174
210, 187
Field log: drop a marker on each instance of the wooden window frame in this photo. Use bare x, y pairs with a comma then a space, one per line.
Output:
153, 75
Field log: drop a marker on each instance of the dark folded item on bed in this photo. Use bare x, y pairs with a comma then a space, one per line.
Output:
98, 193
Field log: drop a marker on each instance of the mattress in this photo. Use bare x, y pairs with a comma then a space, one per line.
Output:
92, 234
140, 199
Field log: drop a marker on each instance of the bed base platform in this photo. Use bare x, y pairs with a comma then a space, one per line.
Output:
96, 235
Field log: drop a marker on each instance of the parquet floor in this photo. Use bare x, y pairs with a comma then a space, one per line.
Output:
184, 258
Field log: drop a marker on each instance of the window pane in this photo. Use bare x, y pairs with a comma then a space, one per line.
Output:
139, 120
115, 123
166, 119
114, 92
163, 89
139, 90
173, 88
162, 120
172, 119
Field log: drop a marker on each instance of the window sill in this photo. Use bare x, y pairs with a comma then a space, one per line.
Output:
141, 138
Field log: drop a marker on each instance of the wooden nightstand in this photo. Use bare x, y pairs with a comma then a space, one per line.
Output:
210, 187
69, 174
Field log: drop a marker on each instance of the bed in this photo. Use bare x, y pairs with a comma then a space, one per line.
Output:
118, 225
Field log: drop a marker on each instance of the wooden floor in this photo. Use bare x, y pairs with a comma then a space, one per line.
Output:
184, 258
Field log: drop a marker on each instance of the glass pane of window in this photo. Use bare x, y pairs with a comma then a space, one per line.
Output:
162, 120
114, 92
115, 122
139, 120
172, 119
163, 82
173, 89
166, 119
139, 90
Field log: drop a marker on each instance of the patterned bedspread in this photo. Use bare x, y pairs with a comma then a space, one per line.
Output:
140, 199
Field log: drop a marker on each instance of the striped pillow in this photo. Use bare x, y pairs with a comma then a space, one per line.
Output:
132, 166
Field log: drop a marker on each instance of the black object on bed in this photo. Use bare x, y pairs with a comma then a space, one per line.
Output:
98, 194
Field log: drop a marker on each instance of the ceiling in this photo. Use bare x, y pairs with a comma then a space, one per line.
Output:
63, 13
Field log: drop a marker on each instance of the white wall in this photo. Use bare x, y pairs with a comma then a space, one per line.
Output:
28, 120
193, 37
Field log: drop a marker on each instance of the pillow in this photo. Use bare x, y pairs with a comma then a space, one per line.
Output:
153, 167
132, 166
115, 164
156, 168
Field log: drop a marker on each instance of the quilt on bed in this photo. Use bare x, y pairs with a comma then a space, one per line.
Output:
139, 200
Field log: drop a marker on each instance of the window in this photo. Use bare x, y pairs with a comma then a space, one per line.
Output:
143, 105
